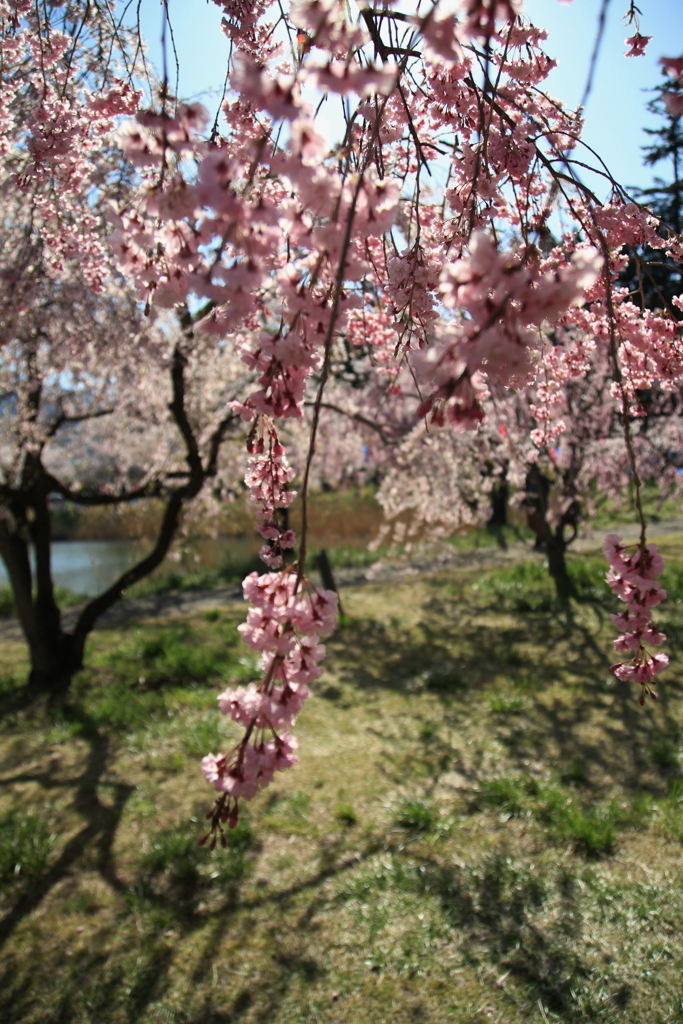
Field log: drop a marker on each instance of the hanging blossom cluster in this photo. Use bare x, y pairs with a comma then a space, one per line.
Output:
284, 624
633, 578
261, 233
287, 618
267, 479
503, 300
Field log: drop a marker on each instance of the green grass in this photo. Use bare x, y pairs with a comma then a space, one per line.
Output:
501, 794
175, 854
672, 581
528, 587
443, 679
25, 843
611, 513
483, 822
417, 816
64, 598
524, 587
348, 557
588, 576
6, 603
231, 571
488, 537
501, 704
591, 831
346, 815
665, 753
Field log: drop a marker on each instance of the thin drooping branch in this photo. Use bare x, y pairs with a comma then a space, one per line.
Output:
152, 489
619, 379
359, 418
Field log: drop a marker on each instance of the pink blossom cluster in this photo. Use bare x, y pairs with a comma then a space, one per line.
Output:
633, 578
413, 279
314, 258
504, 299
284, 623
60, 142
267, 478
445, 33
637, 45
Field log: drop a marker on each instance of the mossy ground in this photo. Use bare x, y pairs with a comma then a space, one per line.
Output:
484, 825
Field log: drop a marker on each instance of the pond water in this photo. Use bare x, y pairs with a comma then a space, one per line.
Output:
90, 566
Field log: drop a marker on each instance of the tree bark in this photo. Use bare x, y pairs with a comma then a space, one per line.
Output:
52, 654
327, 576
57, 655
551, 541
499, 505
557, 567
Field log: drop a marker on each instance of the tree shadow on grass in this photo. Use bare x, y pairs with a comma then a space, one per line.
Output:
167, 898
458, 669
462, 653
496, 902
97, 834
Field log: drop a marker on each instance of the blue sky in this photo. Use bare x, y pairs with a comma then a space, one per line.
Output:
615, 112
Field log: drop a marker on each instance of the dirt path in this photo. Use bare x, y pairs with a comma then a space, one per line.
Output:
182, 602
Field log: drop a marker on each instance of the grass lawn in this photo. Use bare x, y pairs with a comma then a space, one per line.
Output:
484, 825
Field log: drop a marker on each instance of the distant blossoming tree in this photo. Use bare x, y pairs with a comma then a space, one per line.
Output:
86, 381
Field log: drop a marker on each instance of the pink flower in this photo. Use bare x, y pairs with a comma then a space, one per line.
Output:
614, 552
243, 704
653, 637
636, 45
673, 66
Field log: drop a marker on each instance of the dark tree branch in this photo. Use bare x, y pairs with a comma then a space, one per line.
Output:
196, 477
358, 417
14, 552
152, 489
217, 439
100, 604
64, 418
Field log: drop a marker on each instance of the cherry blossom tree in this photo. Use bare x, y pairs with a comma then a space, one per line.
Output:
98, 404
414, 235
559, 461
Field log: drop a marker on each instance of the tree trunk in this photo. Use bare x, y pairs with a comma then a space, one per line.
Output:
54, 654
557, 567
536, 504
499, 505
552, 542
54, 664
327, 576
